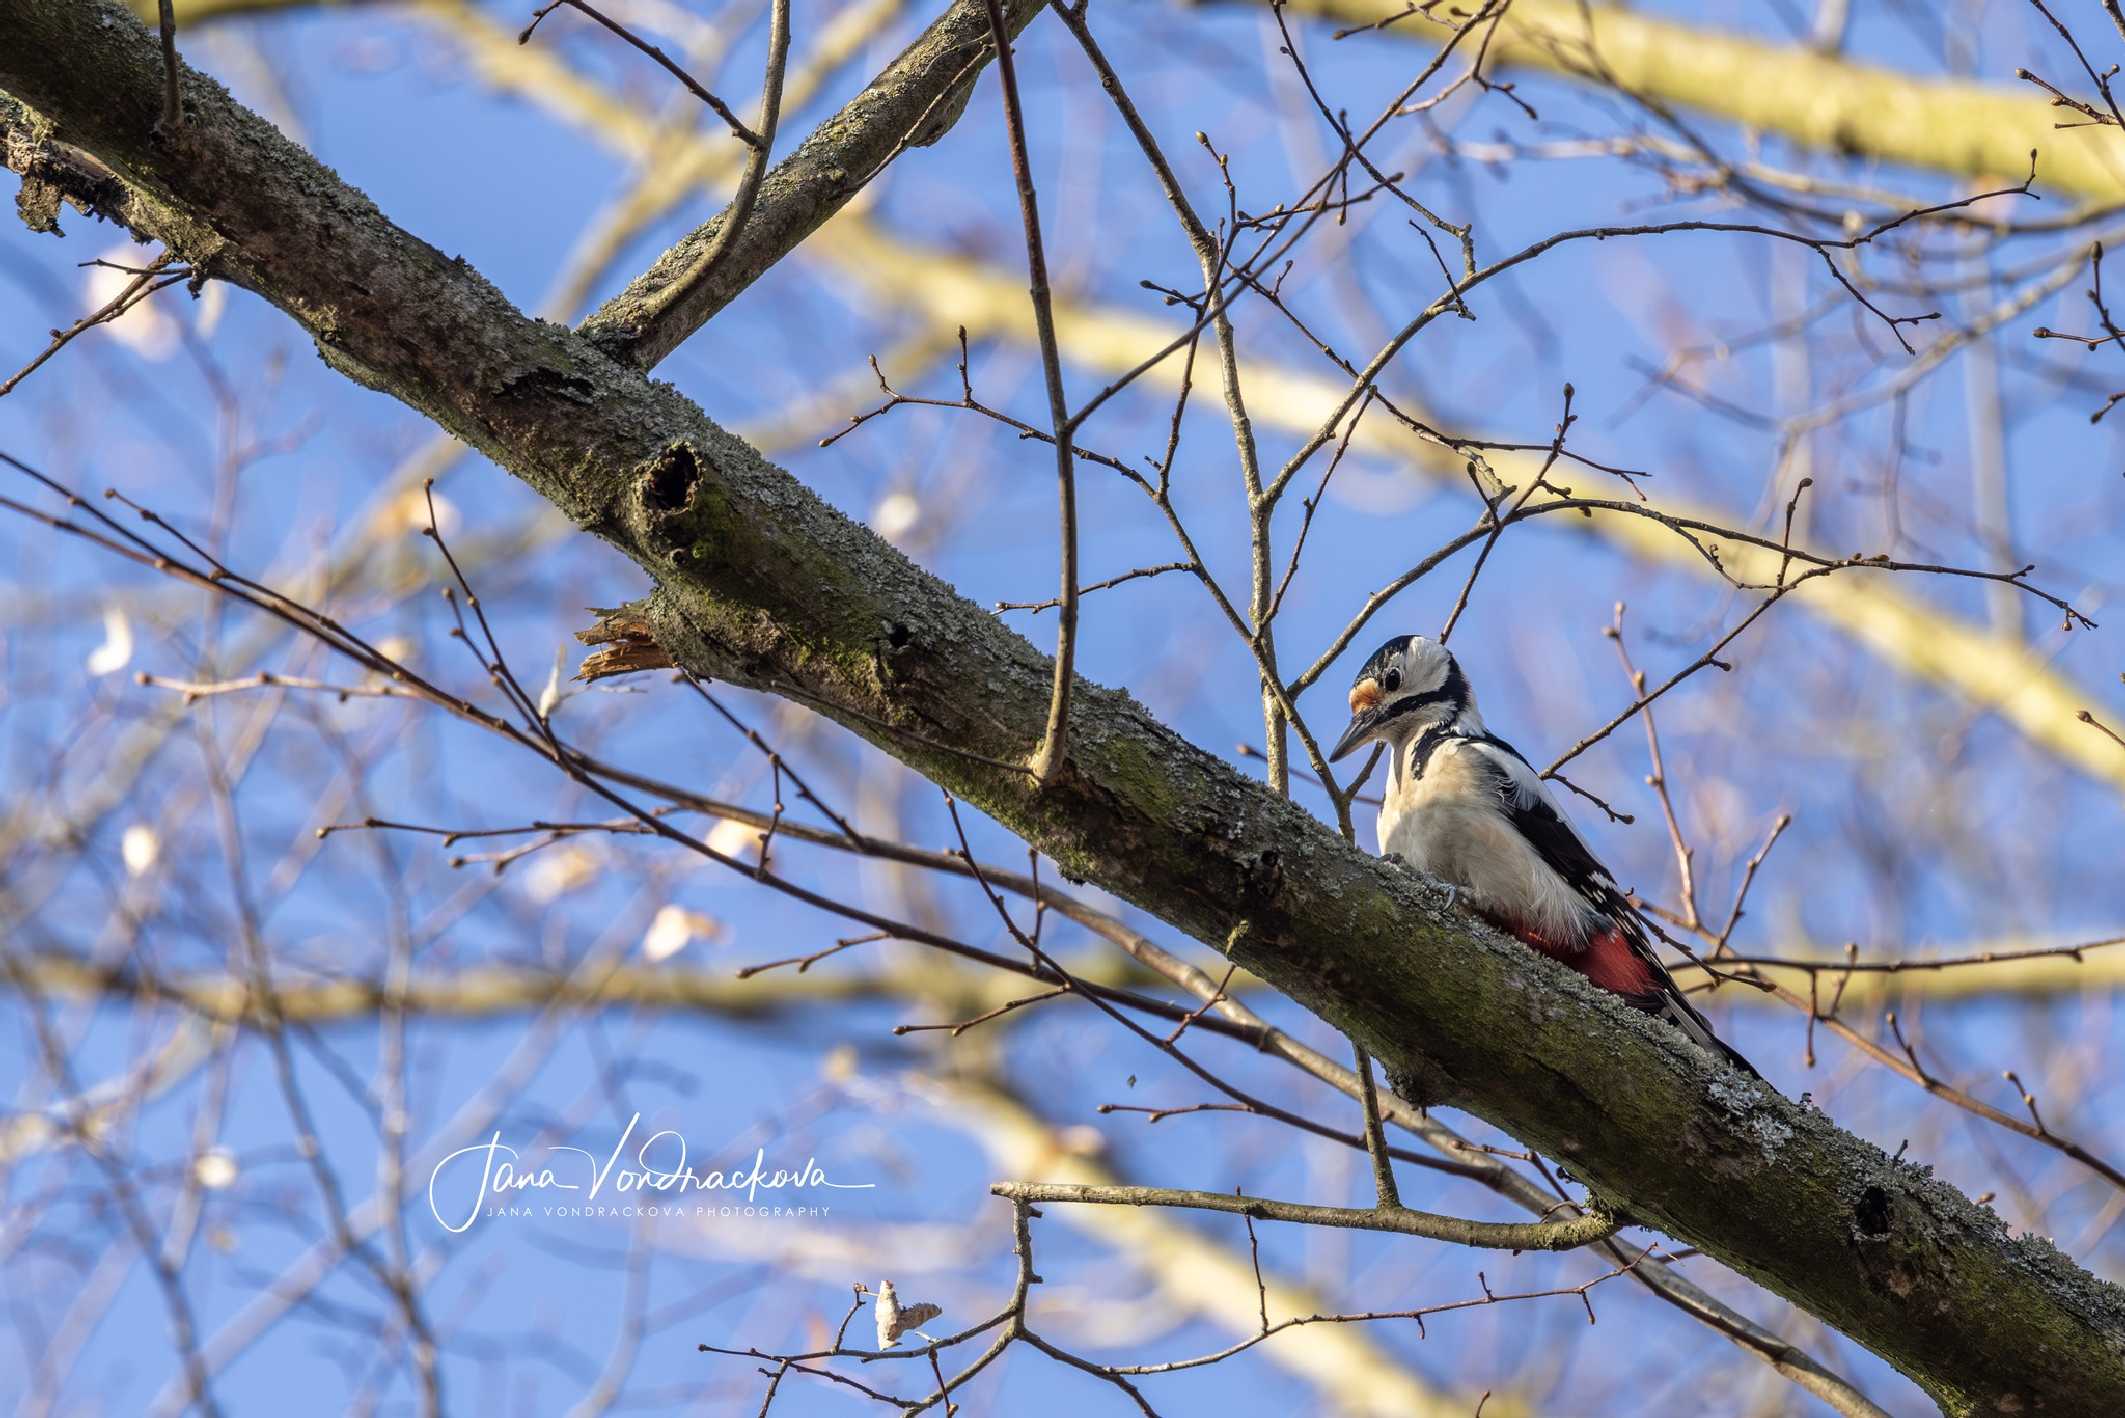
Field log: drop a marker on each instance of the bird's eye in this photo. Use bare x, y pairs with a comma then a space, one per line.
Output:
1393, 681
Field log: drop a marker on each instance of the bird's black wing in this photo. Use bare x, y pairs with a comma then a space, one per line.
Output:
1527, 803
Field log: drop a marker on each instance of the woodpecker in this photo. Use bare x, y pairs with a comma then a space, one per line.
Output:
1463, 806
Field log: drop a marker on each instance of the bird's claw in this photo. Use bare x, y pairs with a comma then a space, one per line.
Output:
1426, 880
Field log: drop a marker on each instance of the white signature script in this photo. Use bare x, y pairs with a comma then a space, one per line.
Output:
662, 1159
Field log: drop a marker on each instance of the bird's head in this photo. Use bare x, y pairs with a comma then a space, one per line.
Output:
1408, 685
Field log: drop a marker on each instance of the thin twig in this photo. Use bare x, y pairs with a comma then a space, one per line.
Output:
722, 110
145, 283
1047, 758
172, 102
1389, 1197
740, 210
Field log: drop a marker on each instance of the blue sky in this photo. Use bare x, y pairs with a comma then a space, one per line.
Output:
1919, 825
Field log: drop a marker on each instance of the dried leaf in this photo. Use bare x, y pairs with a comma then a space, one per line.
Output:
895, 515
673, 929
896, 1319
559, 870
116, 651
215, 1169
550, 696
139, 847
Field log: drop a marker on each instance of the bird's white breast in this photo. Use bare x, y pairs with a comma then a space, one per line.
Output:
1449, 824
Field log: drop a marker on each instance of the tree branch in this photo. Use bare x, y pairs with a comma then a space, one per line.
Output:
763, 584
1814, 99
1564, 1235
1047, 759
913, 102
2001, 674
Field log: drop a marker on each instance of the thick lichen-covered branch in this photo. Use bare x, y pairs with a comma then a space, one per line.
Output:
761, 583
2003, 674
911, 103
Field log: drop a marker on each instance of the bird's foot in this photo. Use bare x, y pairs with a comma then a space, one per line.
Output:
1426, 880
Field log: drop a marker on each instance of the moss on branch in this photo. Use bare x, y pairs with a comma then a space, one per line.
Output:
786, 594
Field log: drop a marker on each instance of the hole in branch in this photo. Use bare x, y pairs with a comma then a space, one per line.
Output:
669, 482
1872, 1213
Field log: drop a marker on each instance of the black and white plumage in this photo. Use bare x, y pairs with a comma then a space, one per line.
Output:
1463, 806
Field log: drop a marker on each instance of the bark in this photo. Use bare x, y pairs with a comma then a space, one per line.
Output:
760, 583
1918, 636
912, 103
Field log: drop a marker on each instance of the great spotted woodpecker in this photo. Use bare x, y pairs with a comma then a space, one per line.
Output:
1461, 805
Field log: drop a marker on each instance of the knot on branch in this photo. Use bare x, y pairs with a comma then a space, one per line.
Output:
1870, 1214
677, 514
1262, 879
540, 383
1422, 1084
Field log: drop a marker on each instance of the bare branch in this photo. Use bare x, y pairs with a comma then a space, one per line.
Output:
1492, 1235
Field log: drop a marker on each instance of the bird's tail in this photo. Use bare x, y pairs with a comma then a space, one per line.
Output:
1621, 961
1670, 1005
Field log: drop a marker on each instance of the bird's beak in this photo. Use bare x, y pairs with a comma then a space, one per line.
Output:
1367, 708
1361, 728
